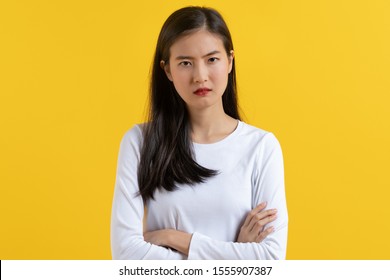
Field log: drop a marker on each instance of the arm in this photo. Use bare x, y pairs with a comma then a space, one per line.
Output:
178, 240
268, 185
255, 227
127, 240
253, 230
262, 236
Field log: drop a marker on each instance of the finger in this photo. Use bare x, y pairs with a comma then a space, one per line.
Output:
264, 234
260, 216
258, 227
147, 236
253, 212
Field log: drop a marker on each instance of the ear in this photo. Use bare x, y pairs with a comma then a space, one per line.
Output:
166, 69
231, 57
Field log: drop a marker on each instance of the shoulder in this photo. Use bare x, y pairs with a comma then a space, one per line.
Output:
133, 137
134, 133
258, 136
265, 148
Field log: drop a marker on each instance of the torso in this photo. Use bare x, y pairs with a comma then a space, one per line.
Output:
217, 207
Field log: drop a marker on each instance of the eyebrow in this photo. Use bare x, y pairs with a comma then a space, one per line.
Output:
180, 57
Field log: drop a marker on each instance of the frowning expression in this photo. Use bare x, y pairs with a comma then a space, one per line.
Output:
199, 66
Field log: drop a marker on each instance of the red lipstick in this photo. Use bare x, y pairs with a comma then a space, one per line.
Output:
202, 91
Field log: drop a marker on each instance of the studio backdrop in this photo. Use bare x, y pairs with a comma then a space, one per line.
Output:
74, 78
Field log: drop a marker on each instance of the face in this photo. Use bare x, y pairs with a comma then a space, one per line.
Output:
199, 67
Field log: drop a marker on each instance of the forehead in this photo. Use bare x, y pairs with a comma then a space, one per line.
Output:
197, 43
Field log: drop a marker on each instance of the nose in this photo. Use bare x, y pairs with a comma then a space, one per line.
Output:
200, 73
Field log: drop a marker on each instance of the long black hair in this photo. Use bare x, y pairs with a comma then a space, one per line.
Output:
167, 154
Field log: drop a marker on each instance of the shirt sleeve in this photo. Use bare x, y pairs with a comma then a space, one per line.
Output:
127, 241
268, 185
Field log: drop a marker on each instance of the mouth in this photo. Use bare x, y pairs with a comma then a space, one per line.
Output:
202, 91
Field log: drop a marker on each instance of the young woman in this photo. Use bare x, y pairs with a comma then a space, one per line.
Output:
195, 182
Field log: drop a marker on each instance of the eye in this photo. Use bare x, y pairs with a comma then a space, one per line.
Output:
185, 63
213, 59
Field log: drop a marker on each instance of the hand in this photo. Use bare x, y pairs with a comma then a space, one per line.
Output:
178, 240
157, 237
253, 229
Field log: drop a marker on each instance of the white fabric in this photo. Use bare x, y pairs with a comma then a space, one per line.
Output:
250, 165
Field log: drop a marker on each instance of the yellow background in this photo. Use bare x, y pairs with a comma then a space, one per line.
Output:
74, 77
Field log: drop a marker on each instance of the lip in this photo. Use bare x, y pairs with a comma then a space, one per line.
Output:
202, 91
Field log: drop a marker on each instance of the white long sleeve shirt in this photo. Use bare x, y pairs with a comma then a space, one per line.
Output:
250, 165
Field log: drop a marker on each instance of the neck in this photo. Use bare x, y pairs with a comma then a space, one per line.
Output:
210, 125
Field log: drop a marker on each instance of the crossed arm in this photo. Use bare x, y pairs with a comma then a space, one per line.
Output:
254, 241
254, 229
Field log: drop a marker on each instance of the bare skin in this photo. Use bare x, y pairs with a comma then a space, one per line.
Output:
199, 60
253, 230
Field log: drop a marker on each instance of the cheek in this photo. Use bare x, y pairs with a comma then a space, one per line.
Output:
180, 82
180, 77
221, 74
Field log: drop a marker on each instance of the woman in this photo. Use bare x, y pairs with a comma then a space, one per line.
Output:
208, 185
